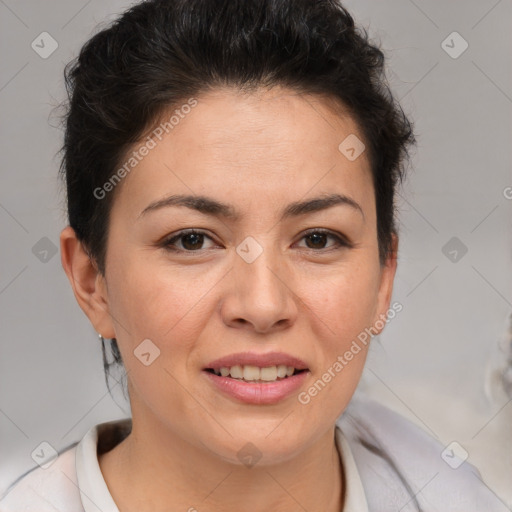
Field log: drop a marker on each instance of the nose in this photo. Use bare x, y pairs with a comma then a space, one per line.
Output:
260, 295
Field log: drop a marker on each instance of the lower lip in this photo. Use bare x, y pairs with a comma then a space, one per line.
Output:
256, 392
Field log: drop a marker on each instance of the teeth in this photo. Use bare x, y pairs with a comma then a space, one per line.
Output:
250, 373
237, 372
281, 371
269, 373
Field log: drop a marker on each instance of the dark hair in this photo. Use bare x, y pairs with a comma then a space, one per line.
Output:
159, 53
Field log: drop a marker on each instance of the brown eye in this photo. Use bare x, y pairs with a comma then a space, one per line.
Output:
190, 241
317, 239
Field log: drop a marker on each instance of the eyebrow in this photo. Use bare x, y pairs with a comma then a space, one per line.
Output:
209, 206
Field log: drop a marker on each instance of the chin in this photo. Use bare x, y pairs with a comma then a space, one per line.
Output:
253, 446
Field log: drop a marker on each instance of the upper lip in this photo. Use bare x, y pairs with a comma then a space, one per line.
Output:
260, 360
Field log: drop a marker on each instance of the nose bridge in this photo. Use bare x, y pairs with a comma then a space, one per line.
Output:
260, 294
259, 270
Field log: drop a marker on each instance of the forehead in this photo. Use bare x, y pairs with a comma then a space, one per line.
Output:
243, 147
269, 121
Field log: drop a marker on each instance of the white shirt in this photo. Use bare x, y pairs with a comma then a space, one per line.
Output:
390, 464
74, 482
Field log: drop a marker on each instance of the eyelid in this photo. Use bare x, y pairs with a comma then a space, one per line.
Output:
341, 240
167, 242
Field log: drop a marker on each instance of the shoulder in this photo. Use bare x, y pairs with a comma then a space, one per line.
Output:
49, 489
403, 466
71, 482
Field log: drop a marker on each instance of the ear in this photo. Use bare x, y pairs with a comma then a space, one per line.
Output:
89, 286
388, 271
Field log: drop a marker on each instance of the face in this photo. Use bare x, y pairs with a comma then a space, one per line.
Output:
258, 276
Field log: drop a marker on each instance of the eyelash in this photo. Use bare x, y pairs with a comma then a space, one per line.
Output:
341, 241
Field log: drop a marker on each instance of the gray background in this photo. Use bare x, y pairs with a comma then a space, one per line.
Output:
434, 360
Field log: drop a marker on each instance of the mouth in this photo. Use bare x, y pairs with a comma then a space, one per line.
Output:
257, 378
256, 385
256, 374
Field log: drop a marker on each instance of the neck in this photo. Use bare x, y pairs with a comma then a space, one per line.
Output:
157, 470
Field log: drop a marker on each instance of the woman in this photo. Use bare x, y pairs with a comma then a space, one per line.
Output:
231, 169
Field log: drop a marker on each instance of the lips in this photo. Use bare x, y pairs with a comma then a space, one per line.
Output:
257, 393
254, 381
255, 359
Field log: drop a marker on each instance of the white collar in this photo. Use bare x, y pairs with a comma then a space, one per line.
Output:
355, 498
97, 498
93, 489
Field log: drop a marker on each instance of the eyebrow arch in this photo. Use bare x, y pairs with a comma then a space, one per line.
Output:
213, 207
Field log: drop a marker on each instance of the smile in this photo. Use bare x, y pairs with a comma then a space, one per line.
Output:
258, 389
255, 373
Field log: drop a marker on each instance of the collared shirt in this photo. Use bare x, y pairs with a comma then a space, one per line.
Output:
389, 464
74, 481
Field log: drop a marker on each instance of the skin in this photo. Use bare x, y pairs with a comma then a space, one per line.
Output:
311, 299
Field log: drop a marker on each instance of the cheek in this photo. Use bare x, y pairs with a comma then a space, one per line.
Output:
345, 302
150, 297
163, 306
151, 304
342, 307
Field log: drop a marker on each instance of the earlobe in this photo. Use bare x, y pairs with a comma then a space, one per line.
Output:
88, 284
